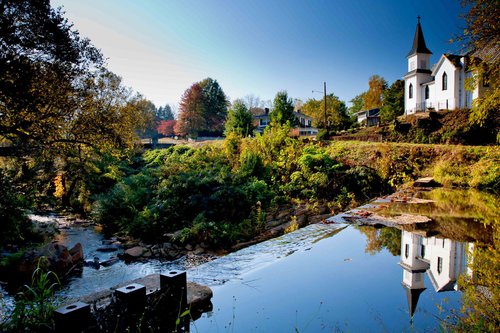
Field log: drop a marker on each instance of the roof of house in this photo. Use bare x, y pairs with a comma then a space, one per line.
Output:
419, 70
454, 59
303, 115
418, 42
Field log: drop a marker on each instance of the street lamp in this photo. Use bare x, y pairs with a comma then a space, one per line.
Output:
324, 95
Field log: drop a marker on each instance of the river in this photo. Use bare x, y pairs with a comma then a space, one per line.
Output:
328, 277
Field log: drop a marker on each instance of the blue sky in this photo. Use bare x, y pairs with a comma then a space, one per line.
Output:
258, 47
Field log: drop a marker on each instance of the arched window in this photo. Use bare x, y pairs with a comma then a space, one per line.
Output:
445, 81
410, 91
426, 92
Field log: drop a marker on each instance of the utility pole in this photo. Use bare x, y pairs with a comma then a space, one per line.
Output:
324, 91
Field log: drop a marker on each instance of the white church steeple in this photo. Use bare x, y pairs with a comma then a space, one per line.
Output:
418, 71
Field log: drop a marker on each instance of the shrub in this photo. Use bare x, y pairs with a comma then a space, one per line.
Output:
117, 209
14, 224
34, 308
485, 175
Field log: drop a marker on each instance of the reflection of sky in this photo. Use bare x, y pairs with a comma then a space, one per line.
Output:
335, 284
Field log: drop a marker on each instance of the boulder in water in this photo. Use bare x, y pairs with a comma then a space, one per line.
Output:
136, 252
59, 260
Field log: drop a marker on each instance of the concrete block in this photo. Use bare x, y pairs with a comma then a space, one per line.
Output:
74, 317
174, 285
133, 296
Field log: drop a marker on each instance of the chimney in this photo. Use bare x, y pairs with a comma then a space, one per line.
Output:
266, 110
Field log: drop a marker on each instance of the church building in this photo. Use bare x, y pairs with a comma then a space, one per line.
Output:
440, 87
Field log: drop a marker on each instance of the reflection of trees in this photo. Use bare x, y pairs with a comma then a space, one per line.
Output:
462, 215
391, 240
377, 239
481, 292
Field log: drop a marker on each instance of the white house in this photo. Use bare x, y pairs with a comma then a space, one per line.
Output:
304, 128
440, 87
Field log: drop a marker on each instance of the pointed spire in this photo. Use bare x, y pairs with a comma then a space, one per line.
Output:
412, 296
419, 41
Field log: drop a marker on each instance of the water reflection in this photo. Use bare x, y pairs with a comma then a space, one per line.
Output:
443, 260
461, 221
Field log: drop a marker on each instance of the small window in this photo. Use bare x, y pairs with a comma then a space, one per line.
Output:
407, 250
445, 81
423, 64
426, 92
410, 91
422, 251
440, 265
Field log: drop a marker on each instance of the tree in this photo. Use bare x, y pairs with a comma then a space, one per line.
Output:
283, 110
394, 101
166, 127
482, 38
165, 113
215, 105
191, 112
336, 112
42, 64
109, 122
251, 101
357, 104
150, 131
239, 119
373, 97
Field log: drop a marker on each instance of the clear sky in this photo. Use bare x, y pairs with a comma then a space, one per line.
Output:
161, 47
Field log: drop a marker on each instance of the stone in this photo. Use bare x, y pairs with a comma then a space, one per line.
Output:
189, 247
301, 211
197, 294
76, 253
135, 252
109, 262
198, 250
167, 246
284, 214
318, 218
108, 248
173, 254
301, 220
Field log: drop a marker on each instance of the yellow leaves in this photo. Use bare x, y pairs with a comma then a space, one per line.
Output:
60, 185
292, 226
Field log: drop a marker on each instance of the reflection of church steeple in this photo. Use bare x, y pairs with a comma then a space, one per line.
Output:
412, 296
442, 259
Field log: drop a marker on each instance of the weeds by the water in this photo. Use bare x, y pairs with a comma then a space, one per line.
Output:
35, 305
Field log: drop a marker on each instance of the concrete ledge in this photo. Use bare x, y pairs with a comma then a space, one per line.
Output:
142, 304
196, 293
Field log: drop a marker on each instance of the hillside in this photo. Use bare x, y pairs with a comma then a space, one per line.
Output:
447, 127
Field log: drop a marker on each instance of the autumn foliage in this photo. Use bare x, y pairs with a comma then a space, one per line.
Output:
166, 127
202, 110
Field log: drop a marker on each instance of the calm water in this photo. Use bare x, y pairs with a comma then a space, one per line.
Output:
334, 285
328, 277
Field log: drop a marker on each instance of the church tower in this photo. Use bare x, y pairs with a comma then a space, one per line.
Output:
418, 72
